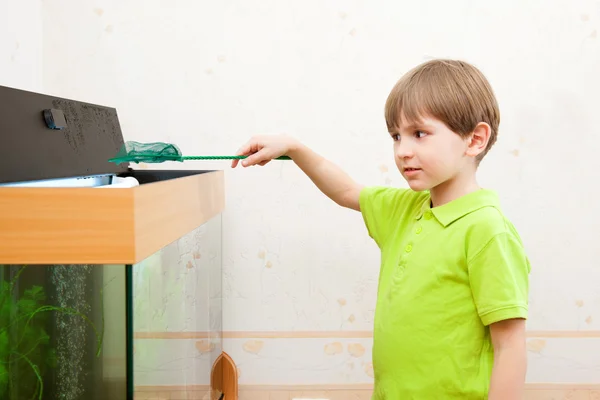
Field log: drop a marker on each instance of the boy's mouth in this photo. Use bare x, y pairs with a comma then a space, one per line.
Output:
411, 171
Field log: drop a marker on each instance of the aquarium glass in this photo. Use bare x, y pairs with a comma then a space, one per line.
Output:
63, 332
177, 318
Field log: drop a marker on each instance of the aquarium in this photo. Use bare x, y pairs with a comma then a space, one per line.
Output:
150, 329
110, 276
62, 332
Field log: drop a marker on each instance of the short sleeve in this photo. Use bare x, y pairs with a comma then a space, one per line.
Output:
499, 279
382, 209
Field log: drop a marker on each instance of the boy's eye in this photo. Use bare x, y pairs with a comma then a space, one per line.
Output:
420, 134
396, 137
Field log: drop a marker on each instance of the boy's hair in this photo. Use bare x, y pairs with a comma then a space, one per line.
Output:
452, 91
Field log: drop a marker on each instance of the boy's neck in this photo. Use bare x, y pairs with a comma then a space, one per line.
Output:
454, 188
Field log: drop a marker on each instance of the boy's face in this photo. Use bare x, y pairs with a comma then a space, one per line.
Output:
428, 153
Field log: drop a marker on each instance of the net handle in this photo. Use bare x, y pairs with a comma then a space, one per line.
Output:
225, 158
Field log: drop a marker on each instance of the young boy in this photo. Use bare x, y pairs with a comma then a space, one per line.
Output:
453, 286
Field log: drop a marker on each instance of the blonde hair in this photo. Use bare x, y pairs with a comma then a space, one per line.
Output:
452, 91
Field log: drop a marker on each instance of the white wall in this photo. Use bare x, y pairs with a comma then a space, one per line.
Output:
208, 75
21, 44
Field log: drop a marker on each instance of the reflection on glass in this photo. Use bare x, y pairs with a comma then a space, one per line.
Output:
62, 332
178, 315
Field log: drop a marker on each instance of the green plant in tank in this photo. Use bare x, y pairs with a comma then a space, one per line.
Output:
25, 349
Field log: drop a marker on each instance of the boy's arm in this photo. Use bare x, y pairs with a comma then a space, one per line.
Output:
328, 177
510, 359
499, 277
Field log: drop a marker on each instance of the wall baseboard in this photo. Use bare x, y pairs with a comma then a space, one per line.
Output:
533, 391
175, 392
543, 334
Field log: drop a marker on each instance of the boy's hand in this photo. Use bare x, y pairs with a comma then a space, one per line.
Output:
262, 149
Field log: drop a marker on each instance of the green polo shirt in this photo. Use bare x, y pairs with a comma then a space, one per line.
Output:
446, 274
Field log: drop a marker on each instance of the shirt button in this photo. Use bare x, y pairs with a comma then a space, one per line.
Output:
419, 230
408, 248
428, 215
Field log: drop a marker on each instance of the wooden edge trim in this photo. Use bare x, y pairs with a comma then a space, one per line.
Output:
300, 388
330, 335
564, 334
368, 386
42, 226
177, 335
562, 386
168, 210
172, 388
65, 225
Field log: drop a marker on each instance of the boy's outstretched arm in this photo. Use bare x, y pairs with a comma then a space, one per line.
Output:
328, 177
510, 360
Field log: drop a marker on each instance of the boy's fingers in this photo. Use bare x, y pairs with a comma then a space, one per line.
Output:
246, 149
248, 161
255, 158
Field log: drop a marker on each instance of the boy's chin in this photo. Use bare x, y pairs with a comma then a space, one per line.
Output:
418, 186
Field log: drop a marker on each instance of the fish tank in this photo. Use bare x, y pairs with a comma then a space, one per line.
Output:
65, 332
110, 275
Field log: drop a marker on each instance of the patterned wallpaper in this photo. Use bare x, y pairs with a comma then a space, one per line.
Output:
300, 274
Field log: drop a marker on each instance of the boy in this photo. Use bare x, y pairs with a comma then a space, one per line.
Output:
453, 286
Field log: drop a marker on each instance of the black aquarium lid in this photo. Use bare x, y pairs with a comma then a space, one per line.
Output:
47, 137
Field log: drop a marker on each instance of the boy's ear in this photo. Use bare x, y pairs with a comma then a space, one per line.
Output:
479, 139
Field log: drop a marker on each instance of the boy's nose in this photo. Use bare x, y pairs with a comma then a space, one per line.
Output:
404, 150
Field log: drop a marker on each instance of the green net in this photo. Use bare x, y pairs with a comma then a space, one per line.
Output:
158, 152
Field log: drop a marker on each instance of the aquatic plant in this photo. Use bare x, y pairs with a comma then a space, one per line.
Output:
26, 350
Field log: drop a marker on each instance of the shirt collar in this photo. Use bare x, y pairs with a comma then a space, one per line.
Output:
458, 208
